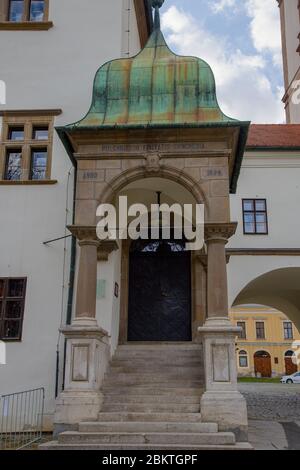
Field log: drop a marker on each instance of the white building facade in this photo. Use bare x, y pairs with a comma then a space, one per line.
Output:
290, 30
58, 66
40, 265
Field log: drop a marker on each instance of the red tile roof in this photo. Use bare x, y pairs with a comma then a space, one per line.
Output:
274, 135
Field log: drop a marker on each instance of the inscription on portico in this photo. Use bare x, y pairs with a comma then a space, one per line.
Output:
172, 148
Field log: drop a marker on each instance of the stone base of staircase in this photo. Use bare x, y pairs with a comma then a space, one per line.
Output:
151, 402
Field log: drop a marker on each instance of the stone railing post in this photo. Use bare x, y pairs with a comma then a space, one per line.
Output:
221, 402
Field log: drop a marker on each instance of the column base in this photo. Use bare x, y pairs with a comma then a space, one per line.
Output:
229, 410
87, 359
222, 403
73, 407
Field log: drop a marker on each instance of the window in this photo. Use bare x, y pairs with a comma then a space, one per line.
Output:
242, 334
16, 10
38, 164
243, 359
288, 330
16, 133
37, 9
26, 10
24, 15
260, 330
12, 300
255, 217
13, 165
26, 148
40, 133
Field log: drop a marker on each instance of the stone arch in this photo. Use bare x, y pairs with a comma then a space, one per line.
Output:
167, 172
279, 289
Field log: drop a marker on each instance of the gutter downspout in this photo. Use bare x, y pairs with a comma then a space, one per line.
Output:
71, 277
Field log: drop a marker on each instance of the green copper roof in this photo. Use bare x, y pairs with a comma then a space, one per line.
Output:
156, 87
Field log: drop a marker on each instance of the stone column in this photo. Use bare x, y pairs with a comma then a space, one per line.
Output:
221, 402
87, 345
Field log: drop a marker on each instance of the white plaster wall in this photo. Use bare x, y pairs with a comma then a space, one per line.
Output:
46, 70
294, 113
275, 177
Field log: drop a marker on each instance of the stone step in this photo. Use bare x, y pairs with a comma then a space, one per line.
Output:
157, 356
163, 361
150, 376
150, 390
149, 417
54, 445
152, 407
147, 427
160, 346
167, 398
157, 353
138, 379
156, 369
220, 438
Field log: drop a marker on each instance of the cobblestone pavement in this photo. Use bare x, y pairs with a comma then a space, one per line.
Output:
267, 401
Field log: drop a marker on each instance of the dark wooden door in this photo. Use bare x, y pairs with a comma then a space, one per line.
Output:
290, 367
159, 294
263, 366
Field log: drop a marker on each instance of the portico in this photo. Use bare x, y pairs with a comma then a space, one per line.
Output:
154, 124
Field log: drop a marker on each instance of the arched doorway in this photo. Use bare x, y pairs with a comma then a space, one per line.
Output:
159, 307
290, 367
262, 364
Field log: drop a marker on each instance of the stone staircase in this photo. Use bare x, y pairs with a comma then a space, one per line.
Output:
151, 402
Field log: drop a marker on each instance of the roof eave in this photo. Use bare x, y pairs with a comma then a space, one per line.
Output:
276, 148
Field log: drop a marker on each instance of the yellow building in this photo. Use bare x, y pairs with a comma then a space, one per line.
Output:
265, 345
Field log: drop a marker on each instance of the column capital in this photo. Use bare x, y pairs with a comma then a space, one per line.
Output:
219, 232
85, 234
105, 248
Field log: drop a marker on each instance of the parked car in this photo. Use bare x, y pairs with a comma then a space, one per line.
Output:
291, 379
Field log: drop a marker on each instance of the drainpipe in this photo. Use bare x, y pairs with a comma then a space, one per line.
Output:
71, 278
70, 294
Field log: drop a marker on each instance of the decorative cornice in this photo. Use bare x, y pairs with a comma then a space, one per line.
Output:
84, 234
30, 112
263, 251
87, 235
26, 25
27, 182
223, 231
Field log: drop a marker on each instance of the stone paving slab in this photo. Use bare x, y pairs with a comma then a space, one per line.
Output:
267, 435
267, 401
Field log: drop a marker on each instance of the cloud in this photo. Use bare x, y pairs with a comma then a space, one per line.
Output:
265, 27
218, 6
244, 91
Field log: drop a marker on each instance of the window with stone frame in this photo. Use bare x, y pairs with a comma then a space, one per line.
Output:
26, 148
243, 359
242, 334
260, 330
255, 218
288, 330
12, 302
24, 14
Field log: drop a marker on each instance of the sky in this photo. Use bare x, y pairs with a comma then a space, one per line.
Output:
241, 41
